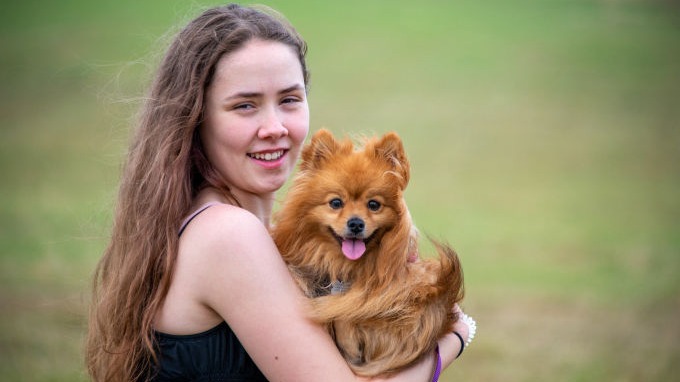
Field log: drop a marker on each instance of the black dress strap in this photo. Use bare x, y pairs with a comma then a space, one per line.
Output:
191, 217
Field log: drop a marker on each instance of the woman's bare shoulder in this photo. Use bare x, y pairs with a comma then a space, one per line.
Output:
224, 224
224, 242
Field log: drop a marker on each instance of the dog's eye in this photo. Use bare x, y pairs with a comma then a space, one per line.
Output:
373, 205
335, 204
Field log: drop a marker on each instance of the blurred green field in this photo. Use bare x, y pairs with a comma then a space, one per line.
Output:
545, 146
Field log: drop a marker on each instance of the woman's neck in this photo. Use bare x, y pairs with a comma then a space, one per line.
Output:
258, 205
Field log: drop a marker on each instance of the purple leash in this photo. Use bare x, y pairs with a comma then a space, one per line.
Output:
438, 369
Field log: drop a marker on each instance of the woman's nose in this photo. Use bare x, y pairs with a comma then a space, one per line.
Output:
272, 126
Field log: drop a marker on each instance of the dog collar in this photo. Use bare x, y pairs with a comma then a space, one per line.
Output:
339, 287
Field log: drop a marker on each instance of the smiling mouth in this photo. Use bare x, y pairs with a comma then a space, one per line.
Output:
270, 156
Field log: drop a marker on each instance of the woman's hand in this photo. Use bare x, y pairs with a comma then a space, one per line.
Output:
460, 326
465, 327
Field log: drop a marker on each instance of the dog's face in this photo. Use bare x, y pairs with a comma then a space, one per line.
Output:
356, 218
355, 197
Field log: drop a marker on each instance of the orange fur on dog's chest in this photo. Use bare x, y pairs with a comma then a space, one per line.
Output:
345, 220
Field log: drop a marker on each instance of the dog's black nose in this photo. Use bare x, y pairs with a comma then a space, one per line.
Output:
356, 225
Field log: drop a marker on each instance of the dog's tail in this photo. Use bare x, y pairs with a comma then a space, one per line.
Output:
450, 280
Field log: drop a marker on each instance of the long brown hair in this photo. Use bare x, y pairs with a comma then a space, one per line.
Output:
165, 168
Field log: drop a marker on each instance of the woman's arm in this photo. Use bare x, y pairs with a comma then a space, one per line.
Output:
449, 347
247, 283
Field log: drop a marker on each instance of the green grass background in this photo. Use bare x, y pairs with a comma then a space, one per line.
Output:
545, 146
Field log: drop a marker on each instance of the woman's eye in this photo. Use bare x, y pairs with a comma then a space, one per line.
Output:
244, 106
290, 100
335, 204
373, 205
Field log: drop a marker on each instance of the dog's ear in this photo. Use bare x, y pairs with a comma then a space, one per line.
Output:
321, 147
391, 149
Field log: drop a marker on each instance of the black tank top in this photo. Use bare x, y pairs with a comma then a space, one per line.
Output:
215, 355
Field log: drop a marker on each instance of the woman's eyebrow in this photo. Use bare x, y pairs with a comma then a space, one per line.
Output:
242, 95
247, 94
292, 88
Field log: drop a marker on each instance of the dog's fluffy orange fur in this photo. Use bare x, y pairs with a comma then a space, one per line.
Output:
345, 219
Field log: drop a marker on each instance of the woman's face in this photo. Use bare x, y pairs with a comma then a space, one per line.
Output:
256, 117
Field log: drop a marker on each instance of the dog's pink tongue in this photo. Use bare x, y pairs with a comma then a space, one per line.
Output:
353, 249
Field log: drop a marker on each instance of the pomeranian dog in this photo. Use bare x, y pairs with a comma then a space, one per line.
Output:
346, 234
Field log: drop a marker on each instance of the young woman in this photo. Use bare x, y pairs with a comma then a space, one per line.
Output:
191, 286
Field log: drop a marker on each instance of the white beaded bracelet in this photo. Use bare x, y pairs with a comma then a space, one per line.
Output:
472, 327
